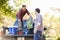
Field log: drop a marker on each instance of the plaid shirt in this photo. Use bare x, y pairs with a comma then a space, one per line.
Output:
39, 21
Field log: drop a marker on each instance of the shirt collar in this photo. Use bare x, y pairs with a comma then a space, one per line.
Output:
37, 14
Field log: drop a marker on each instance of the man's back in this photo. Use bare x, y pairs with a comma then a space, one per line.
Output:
21, 13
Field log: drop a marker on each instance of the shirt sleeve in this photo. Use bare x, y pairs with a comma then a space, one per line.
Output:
28, 12
18, 14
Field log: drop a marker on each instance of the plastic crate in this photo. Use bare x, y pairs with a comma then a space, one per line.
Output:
12, 30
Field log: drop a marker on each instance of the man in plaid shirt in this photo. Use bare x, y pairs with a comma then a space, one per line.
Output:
38, 27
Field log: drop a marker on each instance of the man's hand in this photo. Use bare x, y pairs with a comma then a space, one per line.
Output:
30, 15
35, 30
19, 20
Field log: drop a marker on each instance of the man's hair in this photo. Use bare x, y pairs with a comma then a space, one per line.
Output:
37, 10
23, 5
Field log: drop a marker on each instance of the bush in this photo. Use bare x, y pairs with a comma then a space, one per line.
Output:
58, 38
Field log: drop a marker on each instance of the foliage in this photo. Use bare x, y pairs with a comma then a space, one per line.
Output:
2, 2
58, 38
7, 17
52, 24
7, 11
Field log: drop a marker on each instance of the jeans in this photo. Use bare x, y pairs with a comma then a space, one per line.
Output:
25, 30
16, 23
38, 35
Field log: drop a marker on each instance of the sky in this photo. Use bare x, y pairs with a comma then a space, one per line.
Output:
44, 5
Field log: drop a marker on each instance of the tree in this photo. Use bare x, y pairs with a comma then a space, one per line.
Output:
7, 10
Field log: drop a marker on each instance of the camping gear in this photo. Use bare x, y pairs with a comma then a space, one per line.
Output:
12, 30
25, 30
18, 24
20, 32
31, 31
30, 23
28, 26
1, 32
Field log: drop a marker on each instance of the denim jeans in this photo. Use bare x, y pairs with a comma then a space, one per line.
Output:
16, 22
38, 35
25, 30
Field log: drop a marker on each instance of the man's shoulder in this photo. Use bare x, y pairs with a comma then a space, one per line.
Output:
39, 15
20, 9
26, 9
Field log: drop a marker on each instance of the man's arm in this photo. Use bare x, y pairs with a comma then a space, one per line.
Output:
29, 13
18, 15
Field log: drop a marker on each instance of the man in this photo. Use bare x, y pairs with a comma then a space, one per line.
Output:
21, 14
38, 27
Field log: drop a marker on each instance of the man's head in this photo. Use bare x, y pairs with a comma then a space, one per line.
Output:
37, 10
23, 7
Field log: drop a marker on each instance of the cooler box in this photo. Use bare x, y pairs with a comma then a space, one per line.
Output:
12, 30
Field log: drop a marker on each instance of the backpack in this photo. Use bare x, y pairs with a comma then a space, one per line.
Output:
30, 23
